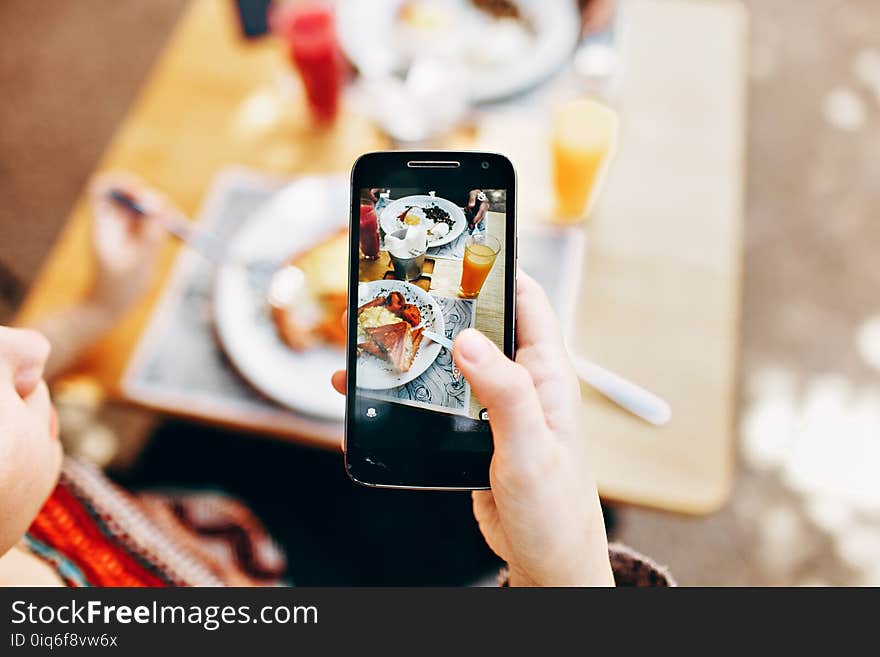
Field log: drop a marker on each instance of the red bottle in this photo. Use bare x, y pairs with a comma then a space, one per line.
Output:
309, 30
369, 231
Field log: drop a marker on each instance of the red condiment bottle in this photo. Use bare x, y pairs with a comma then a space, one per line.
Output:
309, 30
369, 231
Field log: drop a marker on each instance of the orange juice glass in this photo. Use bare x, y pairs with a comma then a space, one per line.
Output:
480, 252
584, 141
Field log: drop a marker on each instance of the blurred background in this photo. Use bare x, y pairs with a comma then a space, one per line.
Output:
793, 497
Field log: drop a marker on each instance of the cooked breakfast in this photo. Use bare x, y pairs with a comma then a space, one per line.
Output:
441, 222
437, 221
389, 329
308, 295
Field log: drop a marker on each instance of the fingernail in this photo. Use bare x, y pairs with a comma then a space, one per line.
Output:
472, 346
27, 379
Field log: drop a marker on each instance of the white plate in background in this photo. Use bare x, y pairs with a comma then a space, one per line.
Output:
297, 217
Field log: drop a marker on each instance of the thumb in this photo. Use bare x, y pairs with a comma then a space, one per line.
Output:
504, 387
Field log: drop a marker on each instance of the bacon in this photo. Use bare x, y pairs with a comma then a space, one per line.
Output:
395, 302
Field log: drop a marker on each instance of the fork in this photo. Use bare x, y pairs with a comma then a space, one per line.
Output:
260, 272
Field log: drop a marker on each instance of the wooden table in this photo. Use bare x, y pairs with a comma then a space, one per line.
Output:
661, 282
660, 289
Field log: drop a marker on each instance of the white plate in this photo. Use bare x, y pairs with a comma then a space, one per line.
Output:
297, 217
373, 38
391, 223
374, 374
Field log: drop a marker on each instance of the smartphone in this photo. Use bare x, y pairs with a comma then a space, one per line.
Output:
425, 264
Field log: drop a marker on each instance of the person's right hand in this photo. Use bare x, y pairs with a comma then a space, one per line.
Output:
542, 514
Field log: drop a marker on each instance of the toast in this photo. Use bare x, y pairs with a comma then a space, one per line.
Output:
397, 342
386, 330
308, 316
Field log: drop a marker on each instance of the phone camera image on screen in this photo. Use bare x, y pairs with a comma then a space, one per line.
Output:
431, 264
431, 254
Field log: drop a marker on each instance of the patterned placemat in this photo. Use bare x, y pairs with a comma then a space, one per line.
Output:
441, 386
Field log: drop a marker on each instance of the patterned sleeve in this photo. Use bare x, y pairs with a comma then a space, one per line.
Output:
634, 569
630, 569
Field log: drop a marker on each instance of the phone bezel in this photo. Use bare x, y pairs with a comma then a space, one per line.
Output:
463, 461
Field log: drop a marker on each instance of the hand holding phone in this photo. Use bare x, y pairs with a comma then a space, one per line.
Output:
542, 514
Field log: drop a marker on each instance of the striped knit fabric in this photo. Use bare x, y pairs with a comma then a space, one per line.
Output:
95, 534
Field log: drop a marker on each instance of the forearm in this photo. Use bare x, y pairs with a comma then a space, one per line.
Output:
71, 331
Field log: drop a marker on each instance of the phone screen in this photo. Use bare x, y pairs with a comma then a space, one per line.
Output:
432, 260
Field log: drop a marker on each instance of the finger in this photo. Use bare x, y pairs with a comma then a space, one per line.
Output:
595, 15
104, 183
114, 221
150, 201
481, 213
39, 401
151, 229
23, 355
485, 511
541, 349
536, 321
505, 388
472, 197
338, 379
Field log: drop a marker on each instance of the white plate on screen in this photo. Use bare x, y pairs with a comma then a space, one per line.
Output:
297, 217
391, 223
375, 374
501, 58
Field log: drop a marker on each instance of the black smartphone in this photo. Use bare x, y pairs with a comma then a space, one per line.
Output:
432, 252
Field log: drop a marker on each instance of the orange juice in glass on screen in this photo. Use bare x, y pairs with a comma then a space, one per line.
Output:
480, 252
584, 140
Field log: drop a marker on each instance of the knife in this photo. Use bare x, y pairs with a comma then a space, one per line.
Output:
439, 339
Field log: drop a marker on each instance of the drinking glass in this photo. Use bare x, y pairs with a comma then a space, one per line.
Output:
369, 231
480, 251
584, 141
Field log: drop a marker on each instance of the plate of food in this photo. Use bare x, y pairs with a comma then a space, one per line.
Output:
284, 333
443, 219
504, 47
392, 316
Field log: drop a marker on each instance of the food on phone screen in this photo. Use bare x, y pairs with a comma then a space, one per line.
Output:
388, 329
442, 219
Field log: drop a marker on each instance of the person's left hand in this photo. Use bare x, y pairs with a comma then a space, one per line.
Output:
124, 244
